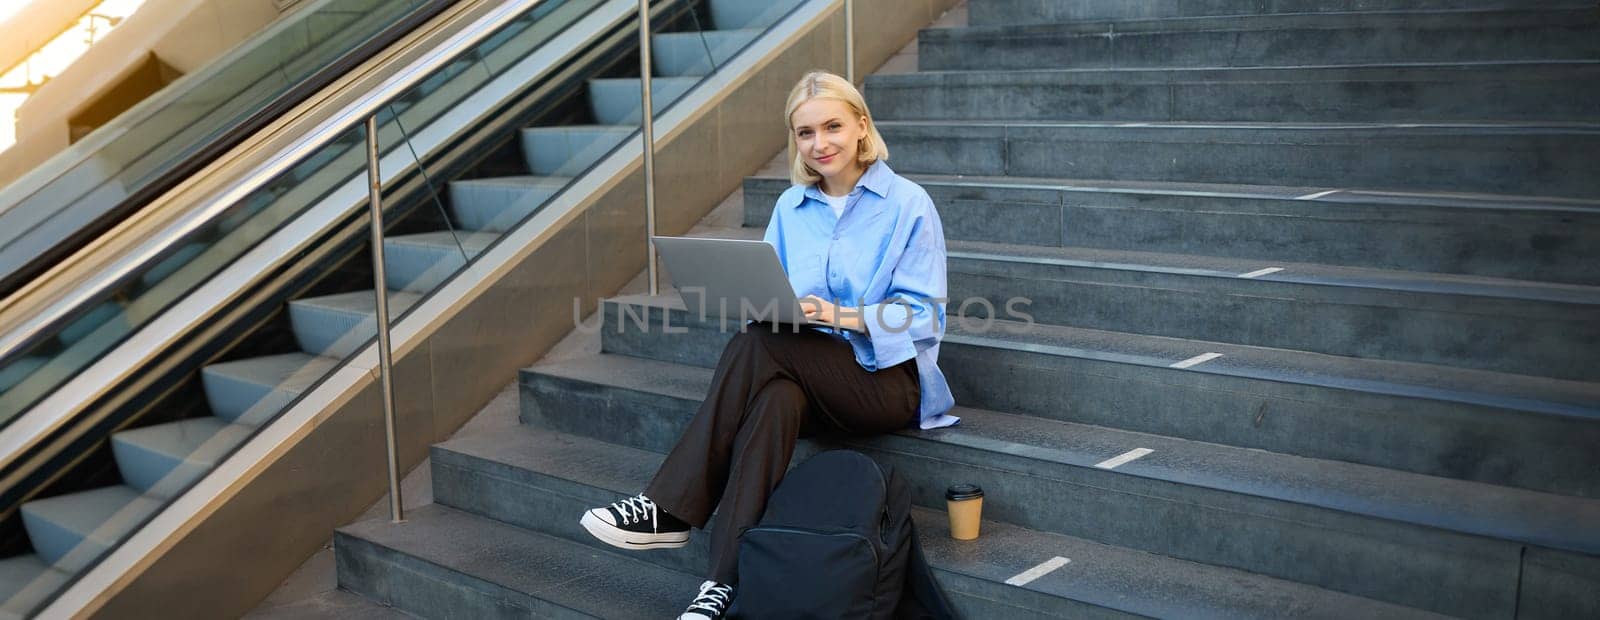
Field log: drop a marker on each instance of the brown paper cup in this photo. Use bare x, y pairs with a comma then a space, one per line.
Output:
965, 504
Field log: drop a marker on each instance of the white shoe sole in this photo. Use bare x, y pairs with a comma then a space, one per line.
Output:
621, 539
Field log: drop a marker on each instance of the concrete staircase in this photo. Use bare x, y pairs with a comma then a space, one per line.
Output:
1336, 286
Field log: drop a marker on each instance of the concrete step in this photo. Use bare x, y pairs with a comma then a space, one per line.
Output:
615, 101
421, 262
541, 480
1525, 159
1002, 12
496, 204
570, 150
1360, 522
444, 563
337, 325
1268, 40
1486, 235
1528, 91
745, 14
69, 532
161, 460
1481, 426
26, 582
252, 391
679, 54
328, 605
1509, 326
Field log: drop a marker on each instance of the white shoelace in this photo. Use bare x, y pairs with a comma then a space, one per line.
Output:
635, 509
713, 598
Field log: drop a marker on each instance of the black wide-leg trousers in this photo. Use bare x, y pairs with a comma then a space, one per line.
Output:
772, 386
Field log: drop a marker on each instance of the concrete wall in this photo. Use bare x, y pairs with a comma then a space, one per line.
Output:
183, 34
291, 503
35, 24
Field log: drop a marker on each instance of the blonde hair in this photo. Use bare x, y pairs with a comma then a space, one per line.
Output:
824, 85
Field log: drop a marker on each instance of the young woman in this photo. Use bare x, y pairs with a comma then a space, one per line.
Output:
864, 249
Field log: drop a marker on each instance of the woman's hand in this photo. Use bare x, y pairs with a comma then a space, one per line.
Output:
819, 309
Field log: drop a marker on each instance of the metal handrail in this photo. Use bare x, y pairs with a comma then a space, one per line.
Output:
850, 41
380, 290
102, 281
647, 131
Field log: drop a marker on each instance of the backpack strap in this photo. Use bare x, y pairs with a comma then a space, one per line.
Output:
922, 598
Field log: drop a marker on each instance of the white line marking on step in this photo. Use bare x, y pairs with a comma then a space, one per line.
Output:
1318, 194
1123, 459
1038, 571
1197, 360
1261, 272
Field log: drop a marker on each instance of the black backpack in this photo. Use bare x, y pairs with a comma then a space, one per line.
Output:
836, 541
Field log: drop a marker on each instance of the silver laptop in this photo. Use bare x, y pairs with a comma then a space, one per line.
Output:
743, 277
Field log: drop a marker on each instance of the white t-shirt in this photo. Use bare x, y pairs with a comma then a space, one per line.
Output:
836, 203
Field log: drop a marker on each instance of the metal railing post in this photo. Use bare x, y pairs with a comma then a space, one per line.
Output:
850, 41
648, 132
385, 364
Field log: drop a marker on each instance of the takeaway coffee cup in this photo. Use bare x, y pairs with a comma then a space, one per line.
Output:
965, 503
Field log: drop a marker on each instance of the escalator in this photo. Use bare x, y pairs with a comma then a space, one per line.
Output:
176, 281
57, 207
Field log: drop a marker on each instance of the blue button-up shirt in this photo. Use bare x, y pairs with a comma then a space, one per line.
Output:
885, 255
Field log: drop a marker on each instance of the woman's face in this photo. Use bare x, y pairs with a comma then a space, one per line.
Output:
828, 135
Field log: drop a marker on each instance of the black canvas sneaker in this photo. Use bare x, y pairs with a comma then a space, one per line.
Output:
710, 604
635, 523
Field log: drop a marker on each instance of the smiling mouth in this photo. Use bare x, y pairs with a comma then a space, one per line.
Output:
824, 160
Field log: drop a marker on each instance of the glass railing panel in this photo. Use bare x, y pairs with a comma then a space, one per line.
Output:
115, 161
27, 375
98, 327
